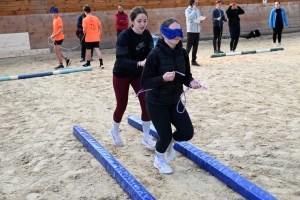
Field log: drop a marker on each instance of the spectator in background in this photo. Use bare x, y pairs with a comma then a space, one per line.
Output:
276, 21
92, 29
233, 13
193, 29
58, 37
218, 17
81, 36
121, 19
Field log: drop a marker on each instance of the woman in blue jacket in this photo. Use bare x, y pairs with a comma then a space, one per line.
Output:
276, 21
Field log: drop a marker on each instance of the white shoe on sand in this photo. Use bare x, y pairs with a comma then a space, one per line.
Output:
162, 166
149, 143
116, 138
171, 153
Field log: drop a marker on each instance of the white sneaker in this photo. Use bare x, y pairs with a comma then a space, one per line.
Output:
171, 153
280, 44
149, 143
162, 166
116, 138
102, 66
275, 45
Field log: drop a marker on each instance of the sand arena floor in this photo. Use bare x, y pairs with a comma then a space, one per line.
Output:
249, 120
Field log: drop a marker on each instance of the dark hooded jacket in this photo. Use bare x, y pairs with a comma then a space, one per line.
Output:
163, 59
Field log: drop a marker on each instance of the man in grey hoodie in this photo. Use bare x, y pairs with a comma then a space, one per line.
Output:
193, 29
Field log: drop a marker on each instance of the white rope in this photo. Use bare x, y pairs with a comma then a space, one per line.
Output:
51, 42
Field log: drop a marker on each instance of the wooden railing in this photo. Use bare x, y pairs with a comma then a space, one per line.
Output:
26, 7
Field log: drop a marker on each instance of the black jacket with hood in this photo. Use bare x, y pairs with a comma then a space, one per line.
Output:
163, 59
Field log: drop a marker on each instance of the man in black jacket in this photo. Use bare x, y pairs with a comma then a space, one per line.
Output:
81, 36
233, 13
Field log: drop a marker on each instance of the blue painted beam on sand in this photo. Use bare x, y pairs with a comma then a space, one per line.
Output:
41, 74
237, 182
131, 186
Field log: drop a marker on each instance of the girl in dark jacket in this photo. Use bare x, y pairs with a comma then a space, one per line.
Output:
166, 70
133, 46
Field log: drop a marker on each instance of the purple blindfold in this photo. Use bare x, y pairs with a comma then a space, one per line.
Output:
171, 33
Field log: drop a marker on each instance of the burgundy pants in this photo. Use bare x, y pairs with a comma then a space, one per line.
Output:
121, 87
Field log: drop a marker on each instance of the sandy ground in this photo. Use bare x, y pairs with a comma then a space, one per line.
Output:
248, 119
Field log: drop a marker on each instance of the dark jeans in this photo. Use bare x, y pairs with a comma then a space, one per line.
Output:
192, 41
218, 31
83, 46
121, 87
277, 31
234, 35
162, 116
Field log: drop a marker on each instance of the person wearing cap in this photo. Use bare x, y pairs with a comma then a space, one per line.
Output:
81, 36
121, 19
233, 12
193, 29
57, 37
276, 21
92, 29
218, 17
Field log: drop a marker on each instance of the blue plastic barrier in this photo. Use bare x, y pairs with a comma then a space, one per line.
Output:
131, 186
238, 183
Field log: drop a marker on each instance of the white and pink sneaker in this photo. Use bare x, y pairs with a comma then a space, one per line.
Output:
162, 166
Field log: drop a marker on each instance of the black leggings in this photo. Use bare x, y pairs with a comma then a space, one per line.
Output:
277, 31
218, 30
234, 35
162, 116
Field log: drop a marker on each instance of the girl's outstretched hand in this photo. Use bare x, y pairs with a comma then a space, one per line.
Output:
195, 84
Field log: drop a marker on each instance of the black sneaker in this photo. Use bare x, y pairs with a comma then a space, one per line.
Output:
102, 66
68, 61
82, 59
195, 63
86, 65
216, 51
220, 51
59, 67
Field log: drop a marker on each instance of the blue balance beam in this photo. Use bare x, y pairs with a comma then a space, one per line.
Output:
131, 186
41, 74
238, 183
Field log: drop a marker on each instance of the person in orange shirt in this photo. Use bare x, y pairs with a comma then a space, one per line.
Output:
58, 37
92, 29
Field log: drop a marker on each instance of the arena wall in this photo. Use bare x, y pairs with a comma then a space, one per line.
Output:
33, 16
